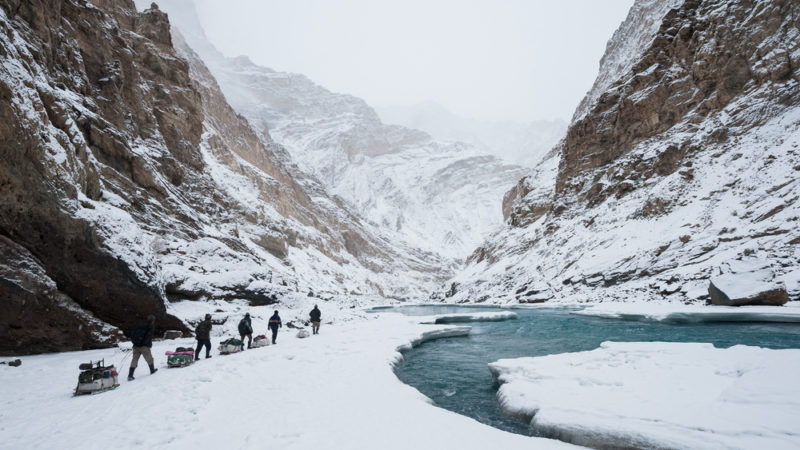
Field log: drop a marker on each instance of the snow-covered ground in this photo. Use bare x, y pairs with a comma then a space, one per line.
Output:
338, 390
659, 395
335, 390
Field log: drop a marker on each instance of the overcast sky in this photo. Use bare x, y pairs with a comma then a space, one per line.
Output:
486, 59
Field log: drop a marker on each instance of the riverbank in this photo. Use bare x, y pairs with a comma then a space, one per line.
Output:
577, 377
334, 390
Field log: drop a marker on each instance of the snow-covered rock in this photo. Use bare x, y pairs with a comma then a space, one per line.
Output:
746, 289
441, 197
128, 181
658, 395
680, 165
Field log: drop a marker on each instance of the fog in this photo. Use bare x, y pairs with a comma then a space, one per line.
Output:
485, 59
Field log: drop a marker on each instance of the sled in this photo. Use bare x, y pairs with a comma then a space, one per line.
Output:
96, 378
181, 357
260, 341
229, 346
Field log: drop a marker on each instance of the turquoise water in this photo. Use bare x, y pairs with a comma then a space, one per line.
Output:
453, 372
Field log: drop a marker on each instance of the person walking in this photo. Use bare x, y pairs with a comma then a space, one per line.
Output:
203, 335
142, 340
246, 330
274, 324
316, 317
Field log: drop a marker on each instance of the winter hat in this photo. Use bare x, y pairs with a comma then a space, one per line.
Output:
208, 316
247, 314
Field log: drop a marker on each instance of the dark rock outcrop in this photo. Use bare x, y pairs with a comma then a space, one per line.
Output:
743, 289
47, 145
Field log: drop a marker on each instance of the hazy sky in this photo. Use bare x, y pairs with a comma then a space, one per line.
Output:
486, 59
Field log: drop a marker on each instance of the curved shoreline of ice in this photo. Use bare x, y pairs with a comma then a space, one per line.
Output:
680, 313
656, 394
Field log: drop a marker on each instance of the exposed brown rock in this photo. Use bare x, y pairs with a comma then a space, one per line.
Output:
775, 296
716, 56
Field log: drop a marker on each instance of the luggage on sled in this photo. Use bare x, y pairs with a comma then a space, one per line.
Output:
229, 346
96, 377
260, 341
181, 357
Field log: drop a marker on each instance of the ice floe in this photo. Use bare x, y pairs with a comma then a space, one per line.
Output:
658, 395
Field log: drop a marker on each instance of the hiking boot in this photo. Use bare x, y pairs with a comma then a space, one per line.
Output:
208, 356
153, 369
130, 374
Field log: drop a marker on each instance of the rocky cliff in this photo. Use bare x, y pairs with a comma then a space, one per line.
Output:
127, 180
442, 197
679, 165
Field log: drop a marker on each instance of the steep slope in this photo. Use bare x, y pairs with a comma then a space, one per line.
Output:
127, 180
682, 163
520, 143
441, 197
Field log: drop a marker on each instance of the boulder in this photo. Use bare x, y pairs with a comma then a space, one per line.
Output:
746, 289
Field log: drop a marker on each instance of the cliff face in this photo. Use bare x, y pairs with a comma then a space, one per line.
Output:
80, 90
442, 197
680, 164
703, 56
127, 180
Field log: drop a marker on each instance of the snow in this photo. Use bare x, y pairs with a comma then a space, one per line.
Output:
520, 143
723, 221
440, 197
745, 285
664, 395
335, 390
678, 312
475, 317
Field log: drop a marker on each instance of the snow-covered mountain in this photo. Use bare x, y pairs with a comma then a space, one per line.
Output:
524, 144
681, 164
443, 197
127, 181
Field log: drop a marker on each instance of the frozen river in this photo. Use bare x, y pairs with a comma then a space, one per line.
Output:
454, 374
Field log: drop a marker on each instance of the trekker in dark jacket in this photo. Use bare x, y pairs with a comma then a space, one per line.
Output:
274, 324
246, 329
316, 318
142, 340
203, 335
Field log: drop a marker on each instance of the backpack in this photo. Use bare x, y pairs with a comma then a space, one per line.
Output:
137, 337
244, 327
